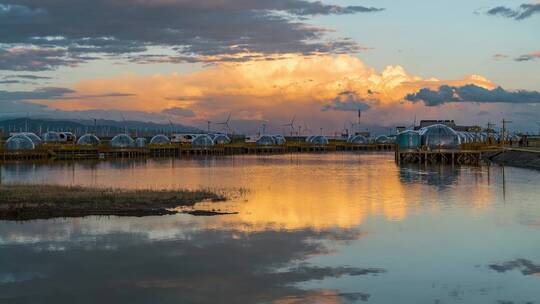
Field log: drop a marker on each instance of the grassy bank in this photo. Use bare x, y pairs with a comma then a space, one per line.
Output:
24, 202
516, 158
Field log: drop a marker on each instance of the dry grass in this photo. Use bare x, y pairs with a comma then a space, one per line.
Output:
76, 195
22, 202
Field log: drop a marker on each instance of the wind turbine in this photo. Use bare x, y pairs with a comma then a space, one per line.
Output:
306, 128
538, 124
225, 124
125, 124
172, 127
291, 124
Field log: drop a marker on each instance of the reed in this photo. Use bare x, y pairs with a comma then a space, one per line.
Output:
22, 201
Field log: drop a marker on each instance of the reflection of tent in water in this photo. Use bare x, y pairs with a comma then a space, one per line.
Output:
88, 139
19, 142
203, 140
160, 139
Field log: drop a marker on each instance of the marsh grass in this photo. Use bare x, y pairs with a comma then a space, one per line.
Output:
77, 195
22, 201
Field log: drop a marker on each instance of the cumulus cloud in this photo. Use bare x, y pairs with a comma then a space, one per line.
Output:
271, 91
472, 93
347, 101
529, 57
524, 11
193, 30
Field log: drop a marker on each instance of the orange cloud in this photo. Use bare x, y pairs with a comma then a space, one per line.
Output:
271, 89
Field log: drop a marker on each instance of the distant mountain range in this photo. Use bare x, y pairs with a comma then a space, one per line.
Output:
100, 127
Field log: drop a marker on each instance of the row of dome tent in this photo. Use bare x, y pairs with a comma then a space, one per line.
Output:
441, 136
29, 141
270, 140
362, 140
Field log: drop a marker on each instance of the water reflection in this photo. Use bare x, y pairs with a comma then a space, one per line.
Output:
202, 266
320, 228
284, 192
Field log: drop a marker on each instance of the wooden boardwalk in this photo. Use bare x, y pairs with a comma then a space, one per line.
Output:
441, 156
74, 152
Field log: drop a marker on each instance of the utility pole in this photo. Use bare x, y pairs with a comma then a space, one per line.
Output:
490, 127
504, 122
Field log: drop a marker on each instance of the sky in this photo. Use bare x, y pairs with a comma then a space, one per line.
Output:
265, 62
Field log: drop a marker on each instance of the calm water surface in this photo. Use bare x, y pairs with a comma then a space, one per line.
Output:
311, 228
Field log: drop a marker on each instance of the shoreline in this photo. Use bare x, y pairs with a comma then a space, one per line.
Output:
31, 202
521, 158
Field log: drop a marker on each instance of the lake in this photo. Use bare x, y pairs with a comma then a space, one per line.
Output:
310, 228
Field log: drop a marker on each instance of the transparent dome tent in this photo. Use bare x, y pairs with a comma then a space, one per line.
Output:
439, 136
33, 137
140, 142
221, 139
408, 139
88, 140
160, 139
358, 140
279, 139
463, 139
382, 139
122, 141
319, 140
203, 140
51, 137
19, 142
266, 140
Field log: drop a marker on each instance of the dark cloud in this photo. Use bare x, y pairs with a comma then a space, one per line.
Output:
524, 11
525, 266
528, 57
53, 93
37, 94
472, 93
9, 81
347, 101
27, 76
79, 28
34, 59
179, 112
